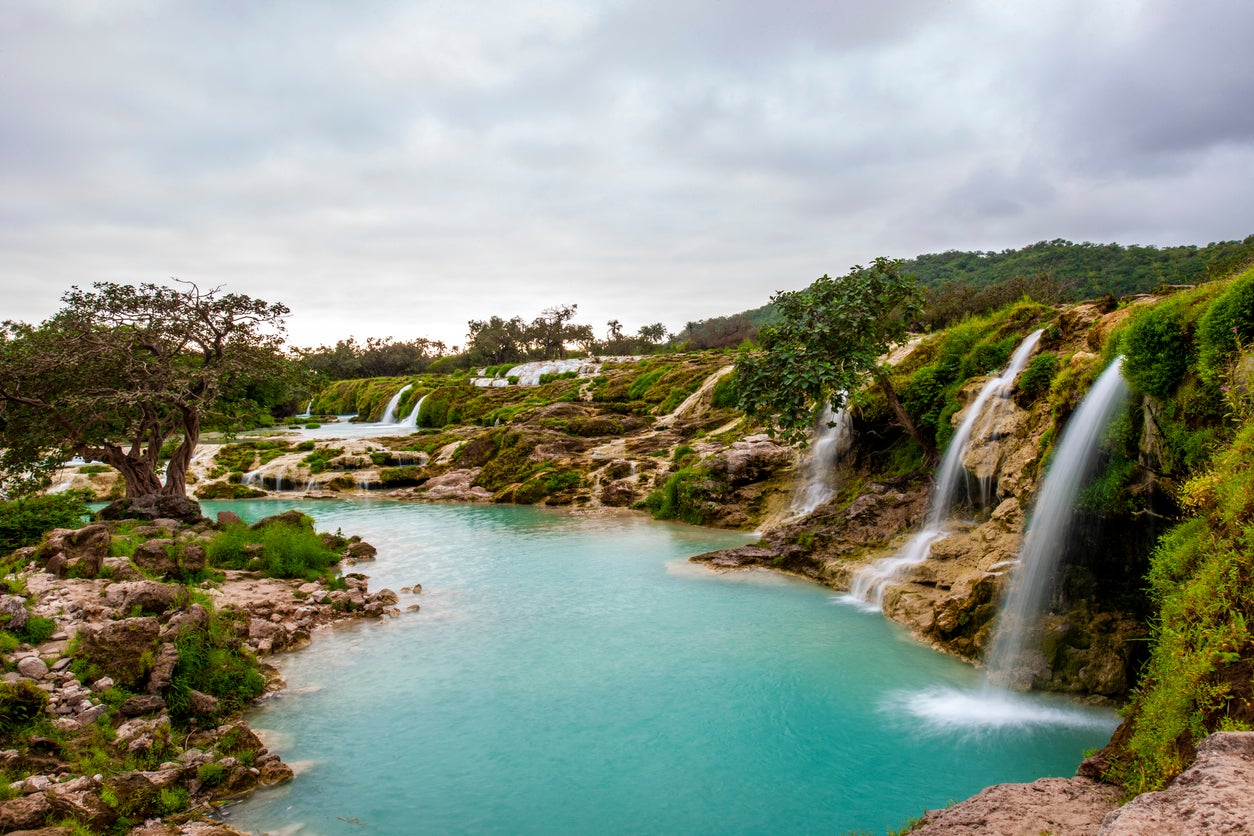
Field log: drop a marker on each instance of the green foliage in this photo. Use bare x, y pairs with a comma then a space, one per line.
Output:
688, 494
21, 704
827, 338
24, 521
36, 630
725, 394
319, 459
1202, 579
1155, 350
1226, 325
286, 551
90, 469
645, 382
1037, 377
214, 661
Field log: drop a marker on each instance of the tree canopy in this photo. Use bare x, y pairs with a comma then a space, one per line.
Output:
827, 339
121, 370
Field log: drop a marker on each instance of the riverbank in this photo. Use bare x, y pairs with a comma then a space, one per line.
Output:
123, 695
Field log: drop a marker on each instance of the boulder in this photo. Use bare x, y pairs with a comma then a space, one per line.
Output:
13, 613
81, 551
1049, 805
360, 551
229, 518
141, 704
121, 649
152, 507
156, 557
1211, 796
32, 667
294, 519
163, 668
193, 558
148, 597
752, 459
24, 813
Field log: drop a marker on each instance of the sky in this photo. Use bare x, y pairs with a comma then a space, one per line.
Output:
399, 168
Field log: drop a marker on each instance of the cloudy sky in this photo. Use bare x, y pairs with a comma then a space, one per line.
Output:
397, 168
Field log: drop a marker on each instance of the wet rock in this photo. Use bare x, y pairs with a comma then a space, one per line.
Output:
360, 551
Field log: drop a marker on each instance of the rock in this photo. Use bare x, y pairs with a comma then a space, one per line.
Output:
156, 557
454, 485
142, 735
32, 667
229, 518
260, 629
152, 507
1211, 796
120, 569
1049, 805
24, 813
290, 518
201, 703
13, 613
752, 459
272, 770
385, 596
121, 649
163, 669
360, 551
141, 704
148, 597
193, 558
81, 551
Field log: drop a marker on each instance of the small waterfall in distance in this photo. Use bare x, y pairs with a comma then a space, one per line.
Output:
1045, 540
308, 410
870, 582
831, 440
412, 420
389, 414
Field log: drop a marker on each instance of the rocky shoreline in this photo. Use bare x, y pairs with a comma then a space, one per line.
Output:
113, 736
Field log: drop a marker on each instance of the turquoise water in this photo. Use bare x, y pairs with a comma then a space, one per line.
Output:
574, 674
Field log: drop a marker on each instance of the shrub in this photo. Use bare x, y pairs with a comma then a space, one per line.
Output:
23, 522
1038, 376
725, 394
286, 551
1154, 349
21, 704
1226, 324
36, 630
214, 661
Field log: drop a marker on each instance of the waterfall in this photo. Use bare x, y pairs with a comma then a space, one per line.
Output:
831, 439
412, 420
308, 410
1043, 544
870, 582
389, 414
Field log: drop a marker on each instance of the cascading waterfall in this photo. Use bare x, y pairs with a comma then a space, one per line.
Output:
389, 414
831, 439
412, 420
870, 582
308, 410
1043, 544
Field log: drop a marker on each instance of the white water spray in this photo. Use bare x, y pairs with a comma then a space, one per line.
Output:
871, 581
389, 414
412, 420
1044, 542
831, 440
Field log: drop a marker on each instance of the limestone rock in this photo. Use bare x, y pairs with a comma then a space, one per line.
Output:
148, 597
32, 667
155, 557
24, 813
163, 668
1211, 796
80, 552
1049, 805
454, 485
141, 704
229, 518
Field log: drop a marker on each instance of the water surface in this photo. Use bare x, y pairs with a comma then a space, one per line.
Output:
574, 674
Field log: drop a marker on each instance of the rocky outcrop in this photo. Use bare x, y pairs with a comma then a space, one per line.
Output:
1211, 797
1062, 806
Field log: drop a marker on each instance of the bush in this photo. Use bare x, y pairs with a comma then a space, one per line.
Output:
23, 522
1154, 349
286, 551
725, 394
1227, 324
21, 704
1038, 376
214, 661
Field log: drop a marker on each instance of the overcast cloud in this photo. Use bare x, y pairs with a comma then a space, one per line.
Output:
397, 168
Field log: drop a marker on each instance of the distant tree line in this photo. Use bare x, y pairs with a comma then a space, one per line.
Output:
349, 359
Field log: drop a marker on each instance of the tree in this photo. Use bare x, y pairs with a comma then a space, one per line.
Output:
653, 334
122, 370
827, 339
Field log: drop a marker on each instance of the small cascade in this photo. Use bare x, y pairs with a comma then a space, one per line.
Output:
389, 414
1044, 542
252, 477
870, 582
831, 440
308, 413
412, 420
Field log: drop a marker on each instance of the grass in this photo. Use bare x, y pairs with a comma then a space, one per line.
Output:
285, 551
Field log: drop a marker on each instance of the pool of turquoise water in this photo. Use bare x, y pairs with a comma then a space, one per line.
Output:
573, 673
